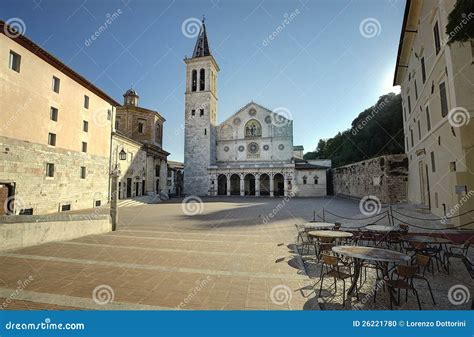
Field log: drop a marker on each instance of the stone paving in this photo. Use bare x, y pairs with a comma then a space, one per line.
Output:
222, 254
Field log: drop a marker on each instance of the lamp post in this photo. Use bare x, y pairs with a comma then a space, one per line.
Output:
114, 174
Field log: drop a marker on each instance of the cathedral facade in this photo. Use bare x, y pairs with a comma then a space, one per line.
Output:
249, 153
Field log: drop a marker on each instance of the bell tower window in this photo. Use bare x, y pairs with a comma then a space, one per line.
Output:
194, 80
202, 79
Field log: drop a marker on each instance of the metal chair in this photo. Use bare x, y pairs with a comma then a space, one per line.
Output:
404, 281
423, 261
333, 266
303, 239
459, 252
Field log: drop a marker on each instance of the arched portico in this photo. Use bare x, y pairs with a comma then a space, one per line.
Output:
249, 184
235, 184
278, 185
222, 185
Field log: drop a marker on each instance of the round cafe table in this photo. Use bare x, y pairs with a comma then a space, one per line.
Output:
319, 225
330, 234
380, 228
360, 254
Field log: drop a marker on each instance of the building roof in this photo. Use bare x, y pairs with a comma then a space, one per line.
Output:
140, 109
201, 48
53, 61
298, 148
130, 92
407, 37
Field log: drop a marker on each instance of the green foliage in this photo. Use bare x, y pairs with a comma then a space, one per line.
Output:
375, 132
460, 25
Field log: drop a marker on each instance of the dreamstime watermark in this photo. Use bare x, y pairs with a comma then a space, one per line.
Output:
458, 117
370, 205
466, 18
14, 27
191, 27
102, 117
103, 294
457, 207
281, 116
13, 204
109, 19
458, 294
22, 284
280, 205
192, 205
200, 285
287, 19
281, 294
360, 305
375, 110
370, 27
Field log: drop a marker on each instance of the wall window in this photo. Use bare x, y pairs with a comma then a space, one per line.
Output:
53, 114
158, 134
452, 166
141, 127
201, 112
423, 70
65, 207
83, 172
15, 61
55, 84
411, 137
157, 170
428, 118
86, 101
436, 38
52, 139
406, 143
316, 180
443, 99
419, 130
304, 180
409, 105
49, 170
205, 132
193, 112
194, 80
117, 124
85, 126
433, 163
202, 79
84, 147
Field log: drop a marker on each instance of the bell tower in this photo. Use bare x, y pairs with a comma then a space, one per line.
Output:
200, 116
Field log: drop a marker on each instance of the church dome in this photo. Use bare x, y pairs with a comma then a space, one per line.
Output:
130, 92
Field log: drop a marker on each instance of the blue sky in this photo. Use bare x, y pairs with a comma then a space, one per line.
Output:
324, 65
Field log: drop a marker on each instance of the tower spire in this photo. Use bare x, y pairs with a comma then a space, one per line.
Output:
202, 45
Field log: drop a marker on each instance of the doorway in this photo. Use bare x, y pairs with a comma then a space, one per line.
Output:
129, 187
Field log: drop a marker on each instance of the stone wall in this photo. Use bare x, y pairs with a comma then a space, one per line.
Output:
385, 177
18, 231
23, 165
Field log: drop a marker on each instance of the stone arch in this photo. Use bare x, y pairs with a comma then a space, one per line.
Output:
278, 185
249, 184
264, 184
235, 184
194, 80
226, 132
202, 79
222, 184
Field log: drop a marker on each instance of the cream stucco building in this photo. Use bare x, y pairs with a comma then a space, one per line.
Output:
249, 153
55, 129
437, 87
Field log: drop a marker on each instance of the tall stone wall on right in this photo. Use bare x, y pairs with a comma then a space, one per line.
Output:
385, 177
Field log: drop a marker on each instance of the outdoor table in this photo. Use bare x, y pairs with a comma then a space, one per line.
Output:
381, 228
330, 234
431, 240
360, 254
319, 225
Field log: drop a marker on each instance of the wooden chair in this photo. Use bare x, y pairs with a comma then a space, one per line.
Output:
404, 281
303, 239
423, 262
333, 266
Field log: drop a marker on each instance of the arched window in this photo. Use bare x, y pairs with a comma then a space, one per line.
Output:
202, 79
315, 180
304, 180
194, 80
253, 129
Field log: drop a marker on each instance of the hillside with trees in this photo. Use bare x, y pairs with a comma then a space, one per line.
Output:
376, 131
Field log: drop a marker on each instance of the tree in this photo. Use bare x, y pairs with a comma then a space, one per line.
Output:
460, 25
376, 131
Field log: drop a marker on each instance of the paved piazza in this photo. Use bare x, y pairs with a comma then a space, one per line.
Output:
222, 254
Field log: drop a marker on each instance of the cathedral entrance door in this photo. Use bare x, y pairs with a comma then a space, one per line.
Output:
235, 185
279, 184
222, 185
249, 184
